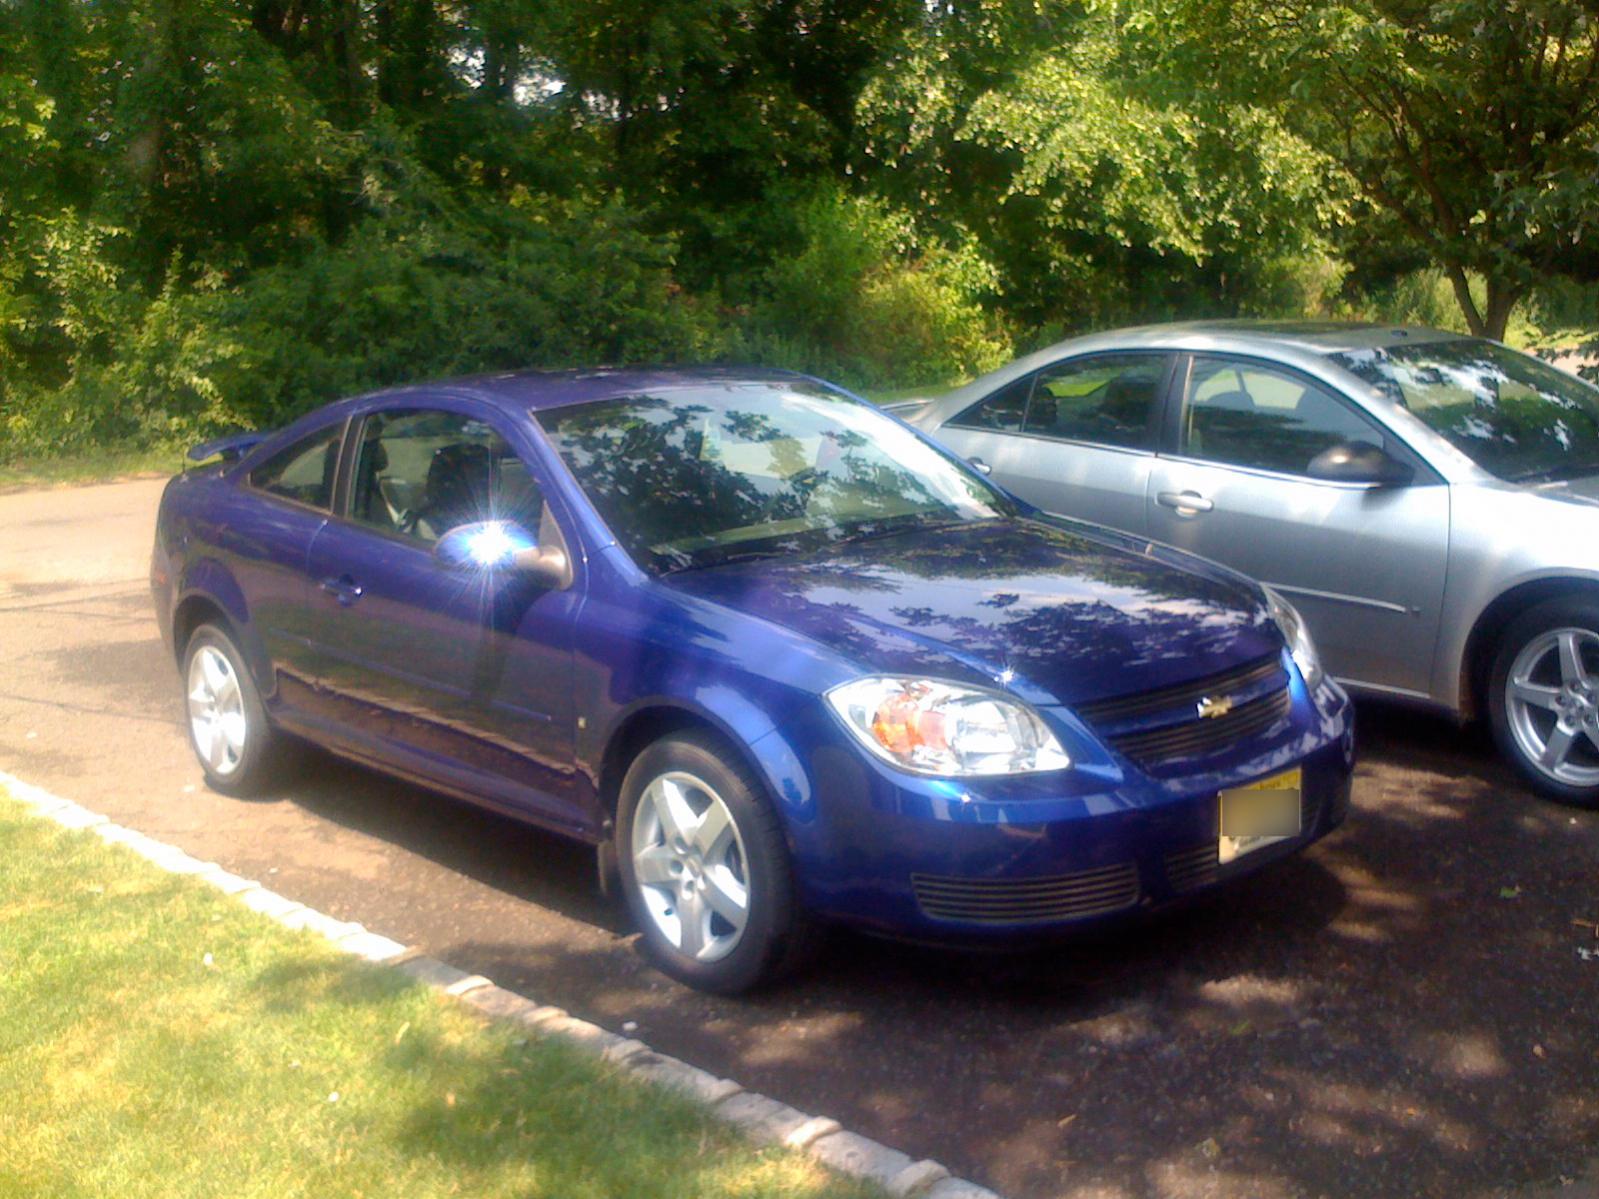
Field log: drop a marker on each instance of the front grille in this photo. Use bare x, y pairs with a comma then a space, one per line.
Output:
1183, 695
1027, 901
1196, 737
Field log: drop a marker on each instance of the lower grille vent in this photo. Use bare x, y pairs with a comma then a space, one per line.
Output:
1189, 869
1025, 901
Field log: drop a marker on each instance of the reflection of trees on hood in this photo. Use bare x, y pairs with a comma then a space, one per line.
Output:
1011, 549
1059, 595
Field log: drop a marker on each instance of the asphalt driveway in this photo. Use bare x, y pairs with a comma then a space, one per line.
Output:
1404, 1011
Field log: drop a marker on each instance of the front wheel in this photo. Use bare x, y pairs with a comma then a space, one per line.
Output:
1543, 699
228, 726
705, 869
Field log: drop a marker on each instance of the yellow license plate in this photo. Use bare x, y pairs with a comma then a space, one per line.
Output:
1259, 814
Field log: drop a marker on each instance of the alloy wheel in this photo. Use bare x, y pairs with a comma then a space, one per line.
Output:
689, 860
216, 711
1552, 701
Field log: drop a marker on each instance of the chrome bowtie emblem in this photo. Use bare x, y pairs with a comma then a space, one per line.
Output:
1213, 706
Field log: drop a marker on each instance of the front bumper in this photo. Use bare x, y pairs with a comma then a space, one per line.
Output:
1014, 859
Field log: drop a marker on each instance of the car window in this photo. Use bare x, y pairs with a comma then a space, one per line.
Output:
1106, 400
1003, 411
422, 472
1509, 413
700, 476
1245, 414
304, 471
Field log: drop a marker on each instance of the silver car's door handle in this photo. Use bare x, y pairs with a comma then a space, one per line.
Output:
1187, 503
981, 465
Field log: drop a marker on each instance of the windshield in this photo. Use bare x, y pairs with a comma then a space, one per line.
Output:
711, 474
1511, 414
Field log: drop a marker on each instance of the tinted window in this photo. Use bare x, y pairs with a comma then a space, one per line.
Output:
1003, 411
422, 472
1510, 414
303, 472
1249, 415
1106, 400
694, 477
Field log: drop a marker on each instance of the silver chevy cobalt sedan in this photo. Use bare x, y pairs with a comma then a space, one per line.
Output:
1429, 502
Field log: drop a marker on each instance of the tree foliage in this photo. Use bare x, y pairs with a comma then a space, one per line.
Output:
218, 212
1471, 127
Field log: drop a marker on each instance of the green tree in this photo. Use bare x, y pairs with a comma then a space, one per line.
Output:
1471, 125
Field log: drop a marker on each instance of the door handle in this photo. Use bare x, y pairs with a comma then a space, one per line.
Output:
1187, 503
344, 589
981, 465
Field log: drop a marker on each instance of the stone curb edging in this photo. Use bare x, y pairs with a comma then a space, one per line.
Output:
765, 1121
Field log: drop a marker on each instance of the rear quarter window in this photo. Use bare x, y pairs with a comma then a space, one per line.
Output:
304, 471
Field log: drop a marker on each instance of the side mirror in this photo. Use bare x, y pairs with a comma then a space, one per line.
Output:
1358, 462
503, 545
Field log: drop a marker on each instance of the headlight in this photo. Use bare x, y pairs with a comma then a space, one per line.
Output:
945, 728
1300, 646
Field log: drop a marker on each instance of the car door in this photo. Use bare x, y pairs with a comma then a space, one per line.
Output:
1365, 564
265, 531
1075, 438
457, 673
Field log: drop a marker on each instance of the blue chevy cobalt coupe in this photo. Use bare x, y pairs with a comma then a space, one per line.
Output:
784, 660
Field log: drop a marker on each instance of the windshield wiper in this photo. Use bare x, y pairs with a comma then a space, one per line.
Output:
727, 559
1564, 470
876, 530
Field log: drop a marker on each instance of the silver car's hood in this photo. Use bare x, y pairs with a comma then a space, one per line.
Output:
1576, 491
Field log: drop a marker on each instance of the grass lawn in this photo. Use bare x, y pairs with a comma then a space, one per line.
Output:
158, 1039
98, 467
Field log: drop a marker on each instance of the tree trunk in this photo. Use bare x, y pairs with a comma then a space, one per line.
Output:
1503, 296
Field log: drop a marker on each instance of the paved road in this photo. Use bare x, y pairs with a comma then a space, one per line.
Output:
1401, 1012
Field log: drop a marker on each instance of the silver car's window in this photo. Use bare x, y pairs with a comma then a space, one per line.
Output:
1002, 412
1509, 413
1109, 401
1245, 414
420, 472
304, 471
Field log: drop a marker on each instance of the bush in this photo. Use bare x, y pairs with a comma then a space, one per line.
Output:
865, 300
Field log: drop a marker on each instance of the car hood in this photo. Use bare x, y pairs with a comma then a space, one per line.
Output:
1584, 490
1056, 612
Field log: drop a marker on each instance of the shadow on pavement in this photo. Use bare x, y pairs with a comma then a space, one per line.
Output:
1401, 1011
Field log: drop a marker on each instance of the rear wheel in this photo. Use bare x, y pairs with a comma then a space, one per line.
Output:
705, 869
228, 726
1544, 699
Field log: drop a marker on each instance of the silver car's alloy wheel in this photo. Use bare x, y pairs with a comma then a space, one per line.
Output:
689, 860
1552, 700
216, 711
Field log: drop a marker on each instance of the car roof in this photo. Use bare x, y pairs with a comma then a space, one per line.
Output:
1318, 337
532, 390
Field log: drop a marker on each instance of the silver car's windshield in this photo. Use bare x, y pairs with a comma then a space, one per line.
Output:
1511, 414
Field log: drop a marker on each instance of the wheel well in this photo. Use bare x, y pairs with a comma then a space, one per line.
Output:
1484, 640
640, 730
193, 612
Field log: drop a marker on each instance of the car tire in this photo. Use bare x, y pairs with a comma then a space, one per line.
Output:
235, 743
1543, 698
705, 868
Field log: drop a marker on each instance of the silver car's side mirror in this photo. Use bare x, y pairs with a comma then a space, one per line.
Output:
1358, 462
503, 545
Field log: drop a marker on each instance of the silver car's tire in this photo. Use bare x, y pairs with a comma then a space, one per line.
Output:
705, 868
228, 727
1543, 699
